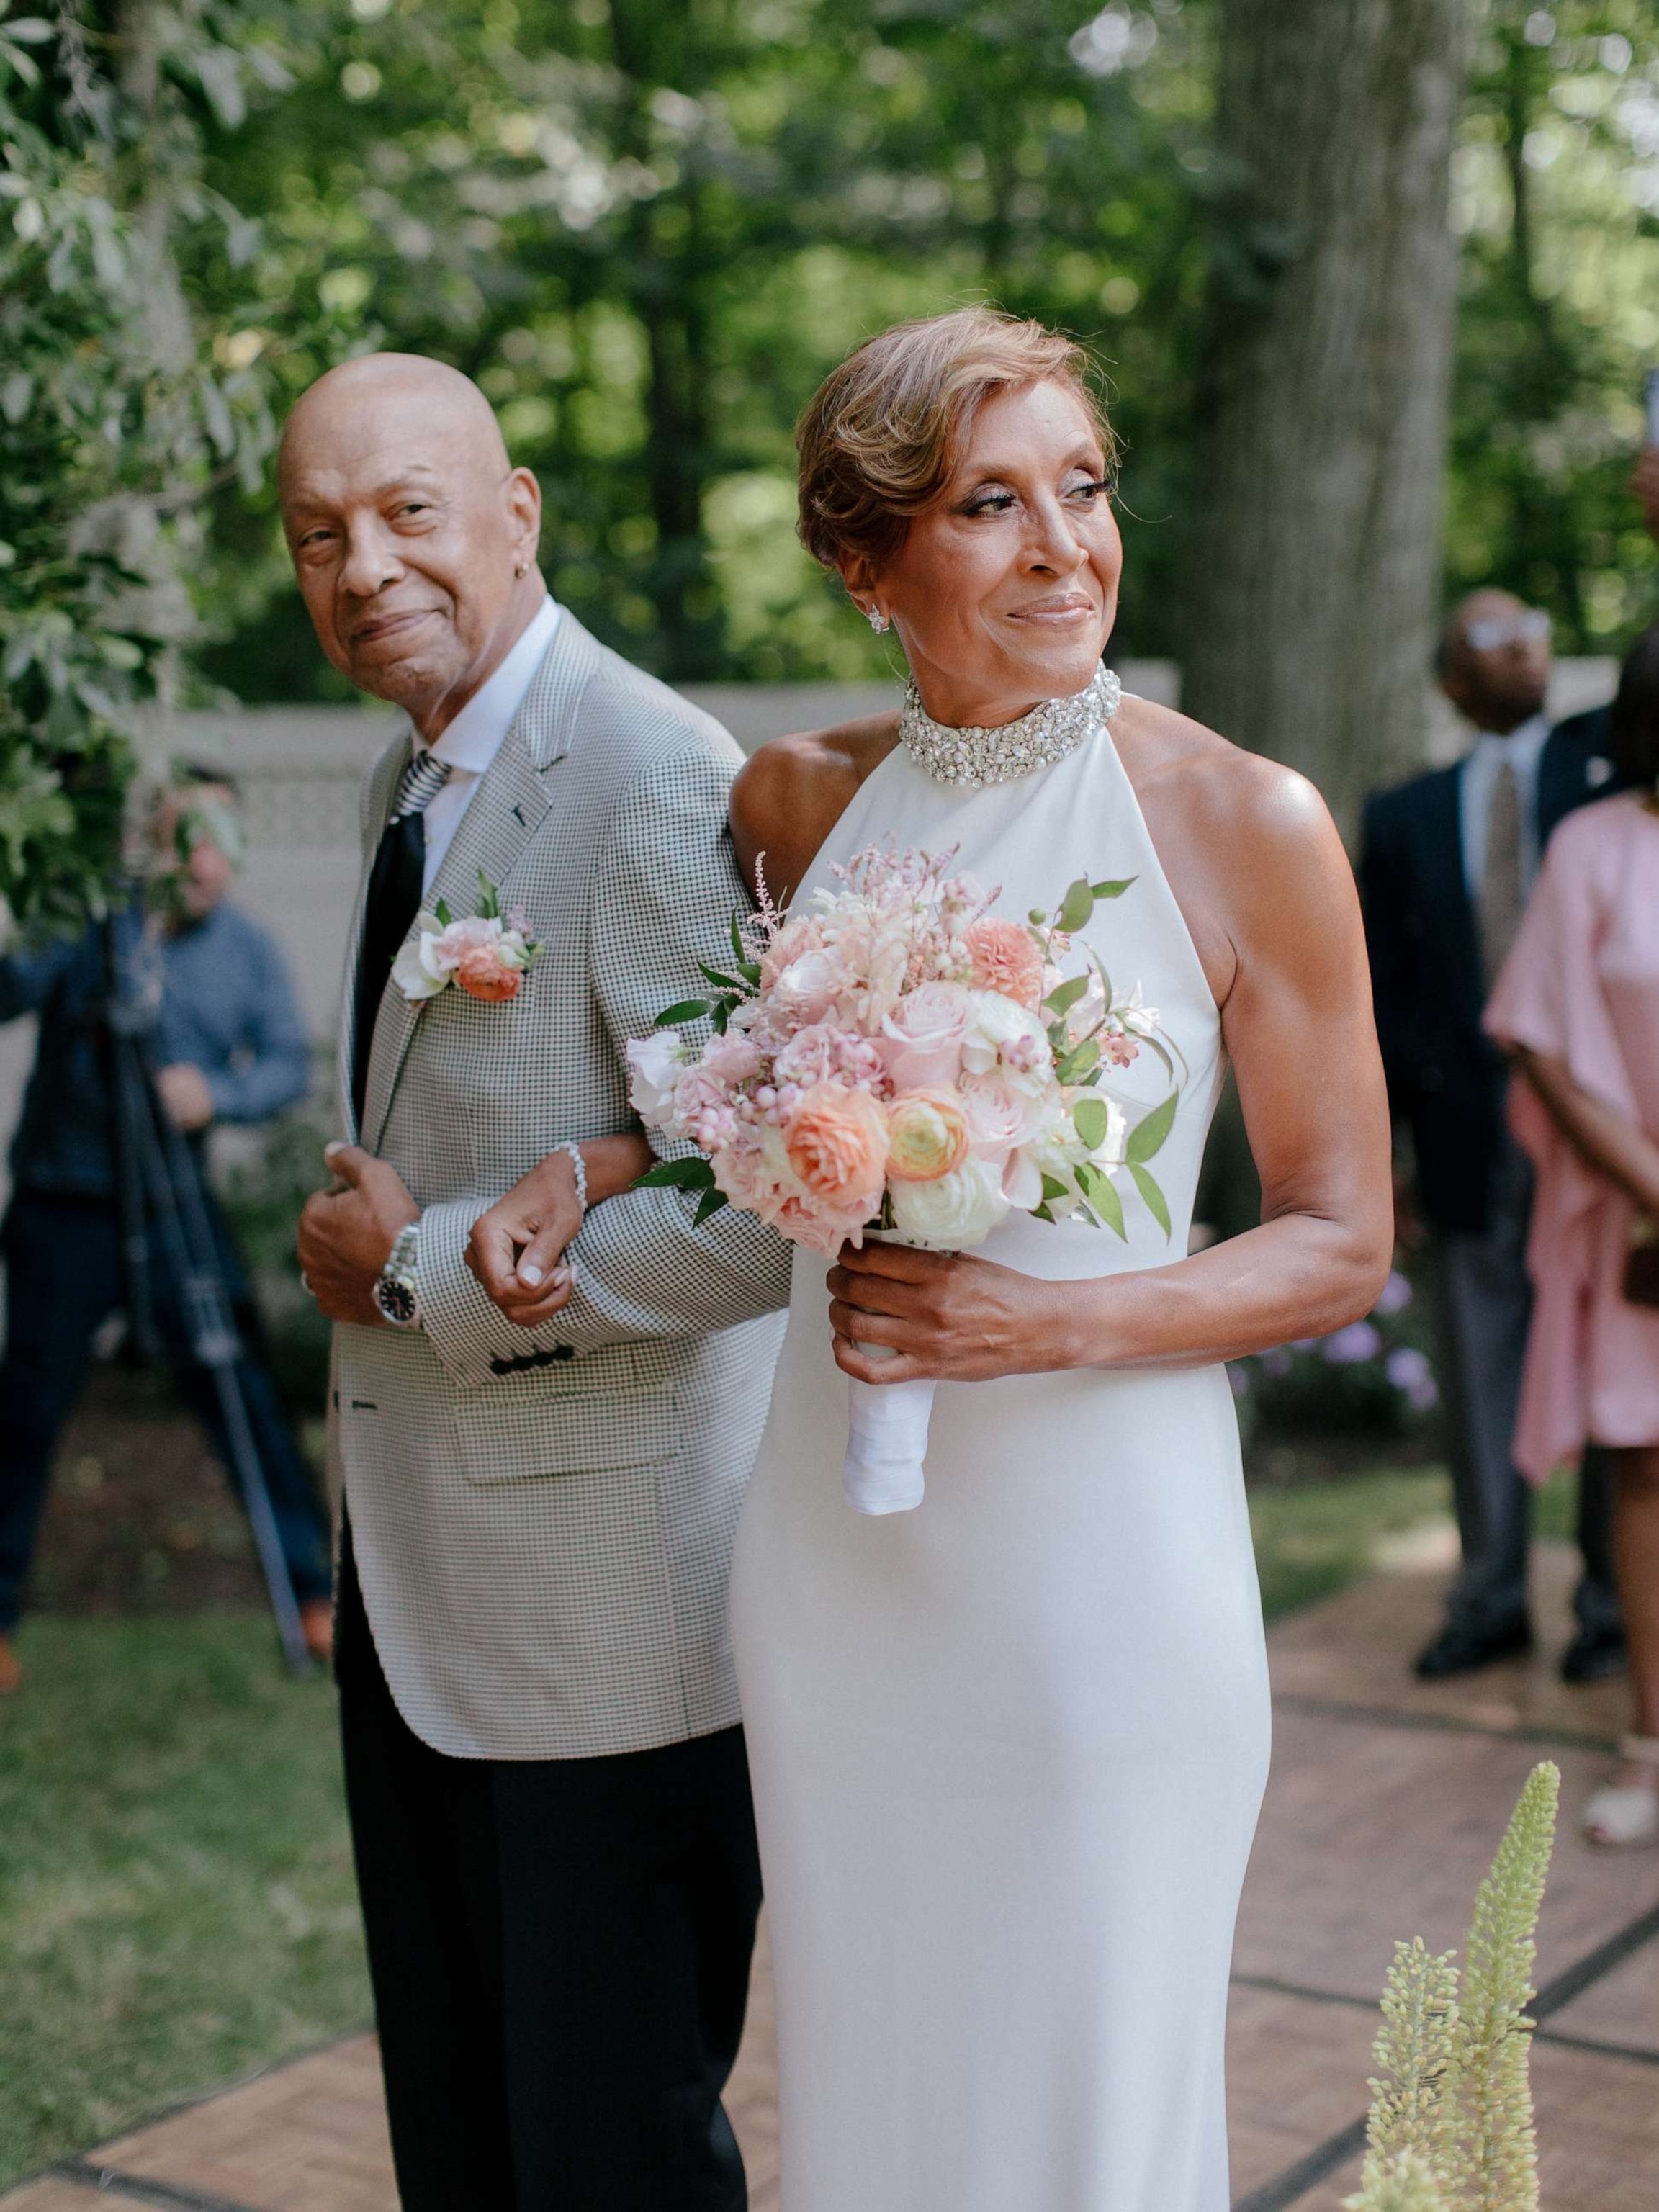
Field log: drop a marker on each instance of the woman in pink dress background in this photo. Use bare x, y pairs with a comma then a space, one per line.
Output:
1577, 1007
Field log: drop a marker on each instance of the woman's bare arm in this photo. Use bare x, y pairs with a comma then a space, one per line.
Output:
1603, 1137
1261, 873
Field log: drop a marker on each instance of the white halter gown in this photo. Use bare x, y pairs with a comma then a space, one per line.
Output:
1008, 1749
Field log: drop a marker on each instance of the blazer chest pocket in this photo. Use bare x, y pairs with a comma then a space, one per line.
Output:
518, 1430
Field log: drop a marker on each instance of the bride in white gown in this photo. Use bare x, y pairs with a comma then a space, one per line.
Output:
1008, 1748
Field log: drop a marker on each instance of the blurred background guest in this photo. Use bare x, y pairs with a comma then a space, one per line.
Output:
231, 1048
1446, 864
1577, 1006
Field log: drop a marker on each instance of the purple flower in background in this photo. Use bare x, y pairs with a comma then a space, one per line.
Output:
1276, 1363
1397, 1296
1352, 1346
1408, 1370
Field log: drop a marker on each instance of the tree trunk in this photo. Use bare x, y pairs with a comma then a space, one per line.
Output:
1314, 582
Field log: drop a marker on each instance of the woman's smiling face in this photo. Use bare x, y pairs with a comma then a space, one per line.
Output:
1005, 589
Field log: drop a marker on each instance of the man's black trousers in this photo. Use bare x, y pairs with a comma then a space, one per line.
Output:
560, 1953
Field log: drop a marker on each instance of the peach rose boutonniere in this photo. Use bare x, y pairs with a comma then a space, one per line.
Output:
486, 954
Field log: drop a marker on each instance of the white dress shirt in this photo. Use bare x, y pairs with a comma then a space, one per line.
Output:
474, 737
1522, 749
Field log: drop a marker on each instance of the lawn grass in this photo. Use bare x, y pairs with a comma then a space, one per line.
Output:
176, 1898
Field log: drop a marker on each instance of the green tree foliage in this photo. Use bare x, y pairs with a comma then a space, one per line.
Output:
1558, 190
114, 412
648, 227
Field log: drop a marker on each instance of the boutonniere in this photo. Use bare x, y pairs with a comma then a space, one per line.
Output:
487, 953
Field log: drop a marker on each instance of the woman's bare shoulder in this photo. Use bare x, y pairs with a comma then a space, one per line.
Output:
1246, 808
1248, 844
790, 795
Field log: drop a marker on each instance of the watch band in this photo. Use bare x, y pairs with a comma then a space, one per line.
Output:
581, 1166
395, 1292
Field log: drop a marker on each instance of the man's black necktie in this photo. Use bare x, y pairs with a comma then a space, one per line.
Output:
395, 884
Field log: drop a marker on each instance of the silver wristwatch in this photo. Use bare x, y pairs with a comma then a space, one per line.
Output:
395, 1286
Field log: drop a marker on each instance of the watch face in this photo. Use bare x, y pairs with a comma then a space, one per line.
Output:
396, 1301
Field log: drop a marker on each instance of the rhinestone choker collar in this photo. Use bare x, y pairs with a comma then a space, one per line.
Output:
970, 758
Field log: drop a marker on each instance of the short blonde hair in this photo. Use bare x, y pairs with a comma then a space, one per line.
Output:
881, 434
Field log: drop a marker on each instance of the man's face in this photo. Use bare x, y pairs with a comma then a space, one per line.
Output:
1498, 660
197, 836
412, 540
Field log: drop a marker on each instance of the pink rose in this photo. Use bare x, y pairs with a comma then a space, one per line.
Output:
1006, 959
837, 1141
1001, 1114
926, 1136
921, 1038
731, 1060
482, 974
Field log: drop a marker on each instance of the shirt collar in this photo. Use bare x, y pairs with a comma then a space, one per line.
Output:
1520, 747
474, 737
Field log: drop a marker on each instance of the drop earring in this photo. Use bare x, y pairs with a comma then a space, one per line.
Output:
878, 622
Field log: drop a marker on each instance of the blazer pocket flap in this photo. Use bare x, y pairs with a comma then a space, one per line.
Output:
518, 1430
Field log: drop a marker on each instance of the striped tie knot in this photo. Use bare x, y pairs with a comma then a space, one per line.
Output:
420, 784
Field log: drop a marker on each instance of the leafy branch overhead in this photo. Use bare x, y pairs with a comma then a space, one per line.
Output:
114, 412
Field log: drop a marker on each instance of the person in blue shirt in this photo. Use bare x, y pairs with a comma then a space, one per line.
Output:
229, 1046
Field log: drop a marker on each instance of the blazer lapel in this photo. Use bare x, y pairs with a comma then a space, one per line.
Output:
505, 811
1443, 854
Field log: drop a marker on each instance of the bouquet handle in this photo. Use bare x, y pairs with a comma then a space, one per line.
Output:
886, 1442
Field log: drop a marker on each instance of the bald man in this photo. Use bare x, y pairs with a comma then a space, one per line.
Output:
1447, 863
549, 1797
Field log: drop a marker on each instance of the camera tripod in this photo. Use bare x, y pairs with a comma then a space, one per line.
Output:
166, 1221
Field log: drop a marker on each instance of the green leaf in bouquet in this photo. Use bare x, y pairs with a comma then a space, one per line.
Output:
1114, 888
1041, 1213
684, 1010
693, 1173
1065, 996
737, 953
725, 982
710, 1202
489, 899
1102, 1193
1076, 907
441, 910
1079, 1063
1148, 1133
1153, 1196
1091, 1119
1053, 1188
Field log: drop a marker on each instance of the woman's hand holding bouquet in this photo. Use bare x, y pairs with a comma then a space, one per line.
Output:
900, 1061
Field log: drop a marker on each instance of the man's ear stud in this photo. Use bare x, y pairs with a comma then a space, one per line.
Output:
518, 568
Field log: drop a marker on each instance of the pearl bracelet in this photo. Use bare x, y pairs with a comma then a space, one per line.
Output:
581, 1166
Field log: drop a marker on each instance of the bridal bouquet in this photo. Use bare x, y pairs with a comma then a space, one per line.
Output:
899, 1060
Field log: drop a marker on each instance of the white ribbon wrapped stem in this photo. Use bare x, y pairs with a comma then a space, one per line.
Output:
886, 1441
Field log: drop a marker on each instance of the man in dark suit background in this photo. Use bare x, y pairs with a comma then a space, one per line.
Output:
1447, 862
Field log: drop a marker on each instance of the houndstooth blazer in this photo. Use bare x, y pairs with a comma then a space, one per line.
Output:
543, 1520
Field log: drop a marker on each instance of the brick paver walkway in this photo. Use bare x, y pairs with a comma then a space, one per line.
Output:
1387, 1800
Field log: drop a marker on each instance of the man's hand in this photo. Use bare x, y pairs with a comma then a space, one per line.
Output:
346, 1235
185, 1098
516, 1250
1644, 483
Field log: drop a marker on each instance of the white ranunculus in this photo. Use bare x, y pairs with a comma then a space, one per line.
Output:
413, 970
995, 1023
655, 1064
954, 1213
